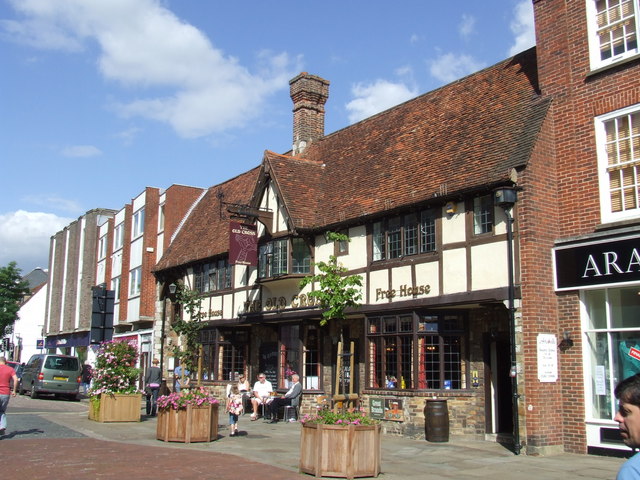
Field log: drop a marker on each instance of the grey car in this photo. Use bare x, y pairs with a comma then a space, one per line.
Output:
52, 374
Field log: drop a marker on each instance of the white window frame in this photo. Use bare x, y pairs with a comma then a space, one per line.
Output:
102, 247
118, 236
606, 215
594, 42
135, 281
115, 286
137, 228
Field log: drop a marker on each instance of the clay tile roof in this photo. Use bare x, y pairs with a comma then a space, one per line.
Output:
458, 138
204, 234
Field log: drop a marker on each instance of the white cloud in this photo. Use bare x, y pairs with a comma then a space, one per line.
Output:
522, 27
24, 238
376, 97
81, 151
144, 45
449, 67
467, 25
54, 202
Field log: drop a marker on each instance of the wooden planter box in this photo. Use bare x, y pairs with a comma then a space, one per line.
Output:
340, 451
116, 408
186, 425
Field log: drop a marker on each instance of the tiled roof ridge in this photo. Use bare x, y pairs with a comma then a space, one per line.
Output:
294, 158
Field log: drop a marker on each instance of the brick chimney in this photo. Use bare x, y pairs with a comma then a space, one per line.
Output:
309, 94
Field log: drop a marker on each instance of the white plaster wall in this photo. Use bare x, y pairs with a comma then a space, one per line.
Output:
489, 266
427, 274
500, 226
357, 257
30, 323
453, 226
454, 279
378, 279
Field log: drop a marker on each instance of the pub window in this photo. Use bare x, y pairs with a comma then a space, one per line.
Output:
209, 277
225, 353
416, 352
300, 256
482, 214
273, 257
613, 31
312, 372
289, 354
404, 235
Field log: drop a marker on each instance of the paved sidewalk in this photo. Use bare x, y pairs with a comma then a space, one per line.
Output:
118, 451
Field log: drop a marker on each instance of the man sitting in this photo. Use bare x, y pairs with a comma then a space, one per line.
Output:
292, 397
261, 394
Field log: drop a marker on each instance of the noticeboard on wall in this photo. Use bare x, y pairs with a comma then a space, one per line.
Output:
387, 409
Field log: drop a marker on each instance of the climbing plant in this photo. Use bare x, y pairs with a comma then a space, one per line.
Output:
335, 291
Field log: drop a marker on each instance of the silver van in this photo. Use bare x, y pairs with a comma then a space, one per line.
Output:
52, 374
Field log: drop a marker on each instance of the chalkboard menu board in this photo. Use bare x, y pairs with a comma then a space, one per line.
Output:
269, 362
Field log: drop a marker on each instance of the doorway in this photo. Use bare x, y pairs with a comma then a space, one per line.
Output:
498, 401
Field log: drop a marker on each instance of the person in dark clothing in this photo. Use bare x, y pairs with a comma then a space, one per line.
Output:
152, 381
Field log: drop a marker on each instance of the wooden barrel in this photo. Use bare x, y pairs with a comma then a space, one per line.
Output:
436, 420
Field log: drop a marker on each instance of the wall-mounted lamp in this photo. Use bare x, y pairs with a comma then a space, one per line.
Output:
172, 288
566, 342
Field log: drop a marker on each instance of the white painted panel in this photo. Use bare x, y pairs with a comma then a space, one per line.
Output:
119, 217
139, 201
427, 274
357, 257
453, 226
116, 312
489, 266
500, 227
378, 280
100, 272
133, 309
454, 271
136, 253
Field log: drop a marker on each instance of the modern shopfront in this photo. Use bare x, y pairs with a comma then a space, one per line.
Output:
604, 270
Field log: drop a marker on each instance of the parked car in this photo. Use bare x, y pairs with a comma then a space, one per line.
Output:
18, 367
52, 374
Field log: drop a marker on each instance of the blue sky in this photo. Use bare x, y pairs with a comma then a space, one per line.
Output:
101, 98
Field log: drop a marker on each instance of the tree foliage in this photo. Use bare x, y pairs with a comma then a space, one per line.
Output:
188, 326
336, 291
12, 290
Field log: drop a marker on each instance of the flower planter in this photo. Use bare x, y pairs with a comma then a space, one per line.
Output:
346, 451
190, 424
116, 407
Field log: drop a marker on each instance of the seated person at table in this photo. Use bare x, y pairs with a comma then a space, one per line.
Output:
292, 397
261, 394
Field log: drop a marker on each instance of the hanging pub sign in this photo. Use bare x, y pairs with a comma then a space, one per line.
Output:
243, 244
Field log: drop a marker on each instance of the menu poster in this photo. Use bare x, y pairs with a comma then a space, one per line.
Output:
547, 357
269, 362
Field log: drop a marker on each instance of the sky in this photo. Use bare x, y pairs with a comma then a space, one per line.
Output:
102, 98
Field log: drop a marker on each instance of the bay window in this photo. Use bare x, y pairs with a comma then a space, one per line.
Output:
284, 256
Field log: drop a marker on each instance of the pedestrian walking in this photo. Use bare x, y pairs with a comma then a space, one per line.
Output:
628, 417
152, 381
6, 375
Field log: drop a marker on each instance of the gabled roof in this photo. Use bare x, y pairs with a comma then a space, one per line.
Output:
465, 135
205, 232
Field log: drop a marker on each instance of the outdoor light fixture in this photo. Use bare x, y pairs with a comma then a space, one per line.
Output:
567, 341
506, 198
172, 288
